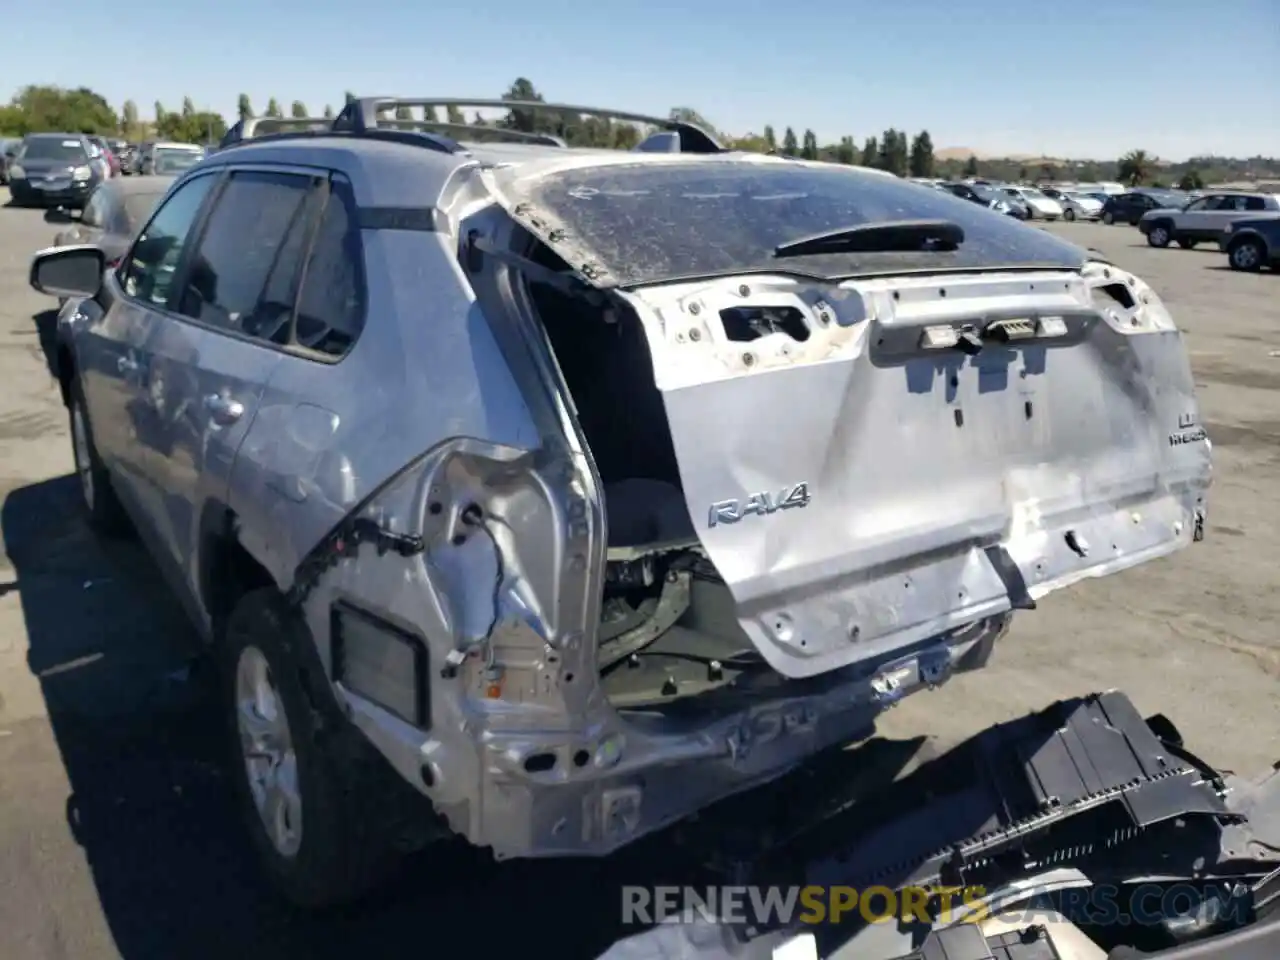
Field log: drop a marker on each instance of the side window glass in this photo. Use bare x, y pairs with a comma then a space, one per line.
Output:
331, 307
1197, 206
252, 218
147, 274
1255, 203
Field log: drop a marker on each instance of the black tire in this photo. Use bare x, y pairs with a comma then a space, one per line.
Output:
1186, 243
1108, 218
102, 507
355, 809
1159, 234
1068, 215
1246, 255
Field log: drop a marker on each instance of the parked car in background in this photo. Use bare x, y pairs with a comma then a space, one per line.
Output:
985, 196
108, 155
111, 216
167, 159
126, 155
7, 150
1079, 206
1204, 220
1038, 205
1252, 243
173, 157
55, 169
139, 154
1130, 207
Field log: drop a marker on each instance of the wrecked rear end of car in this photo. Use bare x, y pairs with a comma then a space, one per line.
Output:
807, 437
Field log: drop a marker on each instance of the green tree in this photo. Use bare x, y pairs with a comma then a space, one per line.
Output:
298, 109
273, 108
404, 113
770, 139
846, 152
790, 147
870, 152
1191, 180
130, 128
921, 162
244, 109
188, 108
809, 147
36, 109
1134, 167
328, 112
971, 166
429, 114
160, 113
454, 115
526, 121
893, 152
348, 97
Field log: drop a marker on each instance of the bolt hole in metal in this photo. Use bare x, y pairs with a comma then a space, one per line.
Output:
581, 758
435, 508
959, 415
1027, 409
266, 746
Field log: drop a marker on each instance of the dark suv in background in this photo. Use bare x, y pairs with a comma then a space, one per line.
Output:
53, 169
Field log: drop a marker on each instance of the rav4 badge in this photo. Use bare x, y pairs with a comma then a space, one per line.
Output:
760, 504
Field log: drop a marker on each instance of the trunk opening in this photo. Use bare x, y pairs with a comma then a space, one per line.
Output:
669, 637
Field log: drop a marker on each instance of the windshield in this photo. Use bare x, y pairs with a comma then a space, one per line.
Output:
651, 222
174, 161
52, 148
1167, 199
1032, 193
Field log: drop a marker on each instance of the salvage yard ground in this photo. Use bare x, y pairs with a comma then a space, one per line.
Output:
116, 835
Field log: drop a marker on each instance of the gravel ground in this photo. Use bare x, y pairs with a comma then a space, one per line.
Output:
116, 833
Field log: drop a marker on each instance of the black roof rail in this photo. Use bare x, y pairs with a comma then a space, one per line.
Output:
295, 128
361, 115
467, 130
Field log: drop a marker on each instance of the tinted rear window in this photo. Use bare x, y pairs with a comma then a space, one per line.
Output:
651, 222
53, 148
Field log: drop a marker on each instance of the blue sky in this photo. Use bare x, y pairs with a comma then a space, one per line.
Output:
1075, 78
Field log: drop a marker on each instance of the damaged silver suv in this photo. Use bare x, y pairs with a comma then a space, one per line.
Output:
544, 496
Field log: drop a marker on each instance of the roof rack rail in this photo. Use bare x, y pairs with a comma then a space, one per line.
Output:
248, 128
467, 129
361, 115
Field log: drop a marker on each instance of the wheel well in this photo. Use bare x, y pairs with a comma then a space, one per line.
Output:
227, 570
1242, 237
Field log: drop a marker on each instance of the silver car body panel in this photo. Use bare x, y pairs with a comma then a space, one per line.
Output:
939, 492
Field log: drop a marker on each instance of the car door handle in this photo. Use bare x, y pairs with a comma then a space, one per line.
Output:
125, 366
223, 410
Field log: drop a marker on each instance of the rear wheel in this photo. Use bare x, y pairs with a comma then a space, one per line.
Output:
325, 811
104, 511
1186, 244
1068, 214
1246, 255
1108, 218
1159, 235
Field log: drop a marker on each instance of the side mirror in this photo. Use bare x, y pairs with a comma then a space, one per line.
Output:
60, 215
68, 271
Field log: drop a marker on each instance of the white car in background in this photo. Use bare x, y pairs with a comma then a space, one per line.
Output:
1039, 204
1076, 205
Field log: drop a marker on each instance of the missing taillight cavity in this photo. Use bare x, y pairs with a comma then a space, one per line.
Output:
742, 324
1119, 293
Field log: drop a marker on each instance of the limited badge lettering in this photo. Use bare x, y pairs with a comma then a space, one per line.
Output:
1188, 431
759, 504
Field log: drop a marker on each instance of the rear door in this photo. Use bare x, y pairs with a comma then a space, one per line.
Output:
210, 362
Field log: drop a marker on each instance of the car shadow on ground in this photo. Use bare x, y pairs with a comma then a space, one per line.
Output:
131, 707
46, 324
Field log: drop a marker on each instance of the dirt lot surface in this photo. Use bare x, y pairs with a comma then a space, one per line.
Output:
116, 832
